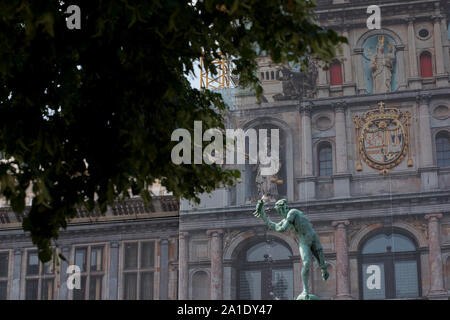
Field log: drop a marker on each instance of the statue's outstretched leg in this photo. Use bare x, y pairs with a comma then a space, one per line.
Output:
317, 251
305, 254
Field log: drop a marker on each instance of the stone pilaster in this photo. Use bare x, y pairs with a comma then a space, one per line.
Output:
15, 289
307, 186
358, 56
216, 263
435, 258
341, 139
427, 169
342, 262
341, 178
414, 80
164, 267
63, 290
441, 77
183, 266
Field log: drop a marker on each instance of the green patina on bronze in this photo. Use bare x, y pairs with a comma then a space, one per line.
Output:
308, 240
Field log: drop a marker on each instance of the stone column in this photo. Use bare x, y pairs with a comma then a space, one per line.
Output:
342, 263
341, 138
435, 257
341, 178
164, 267
183, 265
307, 185
428, 172
441, 77
437, 37
17, 270
401, 73
63, 291
426, 150
306, 134
359, 70
412, 49
216, 264
323, 88
348, 76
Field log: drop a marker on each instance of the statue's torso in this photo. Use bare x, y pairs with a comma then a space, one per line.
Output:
301, 226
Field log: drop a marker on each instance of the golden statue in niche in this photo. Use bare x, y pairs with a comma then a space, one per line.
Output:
383, 138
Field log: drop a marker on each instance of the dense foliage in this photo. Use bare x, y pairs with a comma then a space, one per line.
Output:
86, 115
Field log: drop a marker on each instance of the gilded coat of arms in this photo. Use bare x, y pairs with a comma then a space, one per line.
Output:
383, 138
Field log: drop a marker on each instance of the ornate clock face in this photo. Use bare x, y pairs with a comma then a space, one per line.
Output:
383, 137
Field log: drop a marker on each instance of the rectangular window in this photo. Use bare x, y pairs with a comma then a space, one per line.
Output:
91, 260
139, 268
4, 266
39, 278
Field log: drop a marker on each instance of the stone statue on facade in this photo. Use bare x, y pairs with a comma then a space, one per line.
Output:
382, 66
266, 186
308, 240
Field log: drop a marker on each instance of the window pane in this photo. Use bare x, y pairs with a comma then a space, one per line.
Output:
373, 281
96, 259
47, 289
131, 255
31, 289
201, 286
382, 243
48, 267
282, 284
4, 262
80, 258
130, 286
95, 287
33, 263
250, 285
147, 254
266, 249
406, 283
146, 286
80, 294
3, 287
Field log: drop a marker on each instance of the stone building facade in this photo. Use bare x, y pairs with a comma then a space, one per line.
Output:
130, 252
364, 151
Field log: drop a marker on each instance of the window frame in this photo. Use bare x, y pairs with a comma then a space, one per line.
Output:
88, 273
436, 137
9, 277
40, 276
332, 67
389, 259
265, 267
138, 270
426, 52
321, 145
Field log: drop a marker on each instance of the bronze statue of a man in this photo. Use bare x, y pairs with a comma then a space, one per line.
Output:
308, 240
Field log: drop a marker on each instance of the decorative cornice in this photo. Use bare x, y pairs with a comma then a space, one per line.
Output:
214, 233
423, 98
339, 106
305, 108
433, 216
340, 223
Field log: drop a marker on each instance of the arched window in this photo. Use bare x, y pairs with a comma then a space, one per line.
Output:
272, 74
200, 286
335, 73
443, 149
389, 267
426, 67
325, 159
262, 75
265, 272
